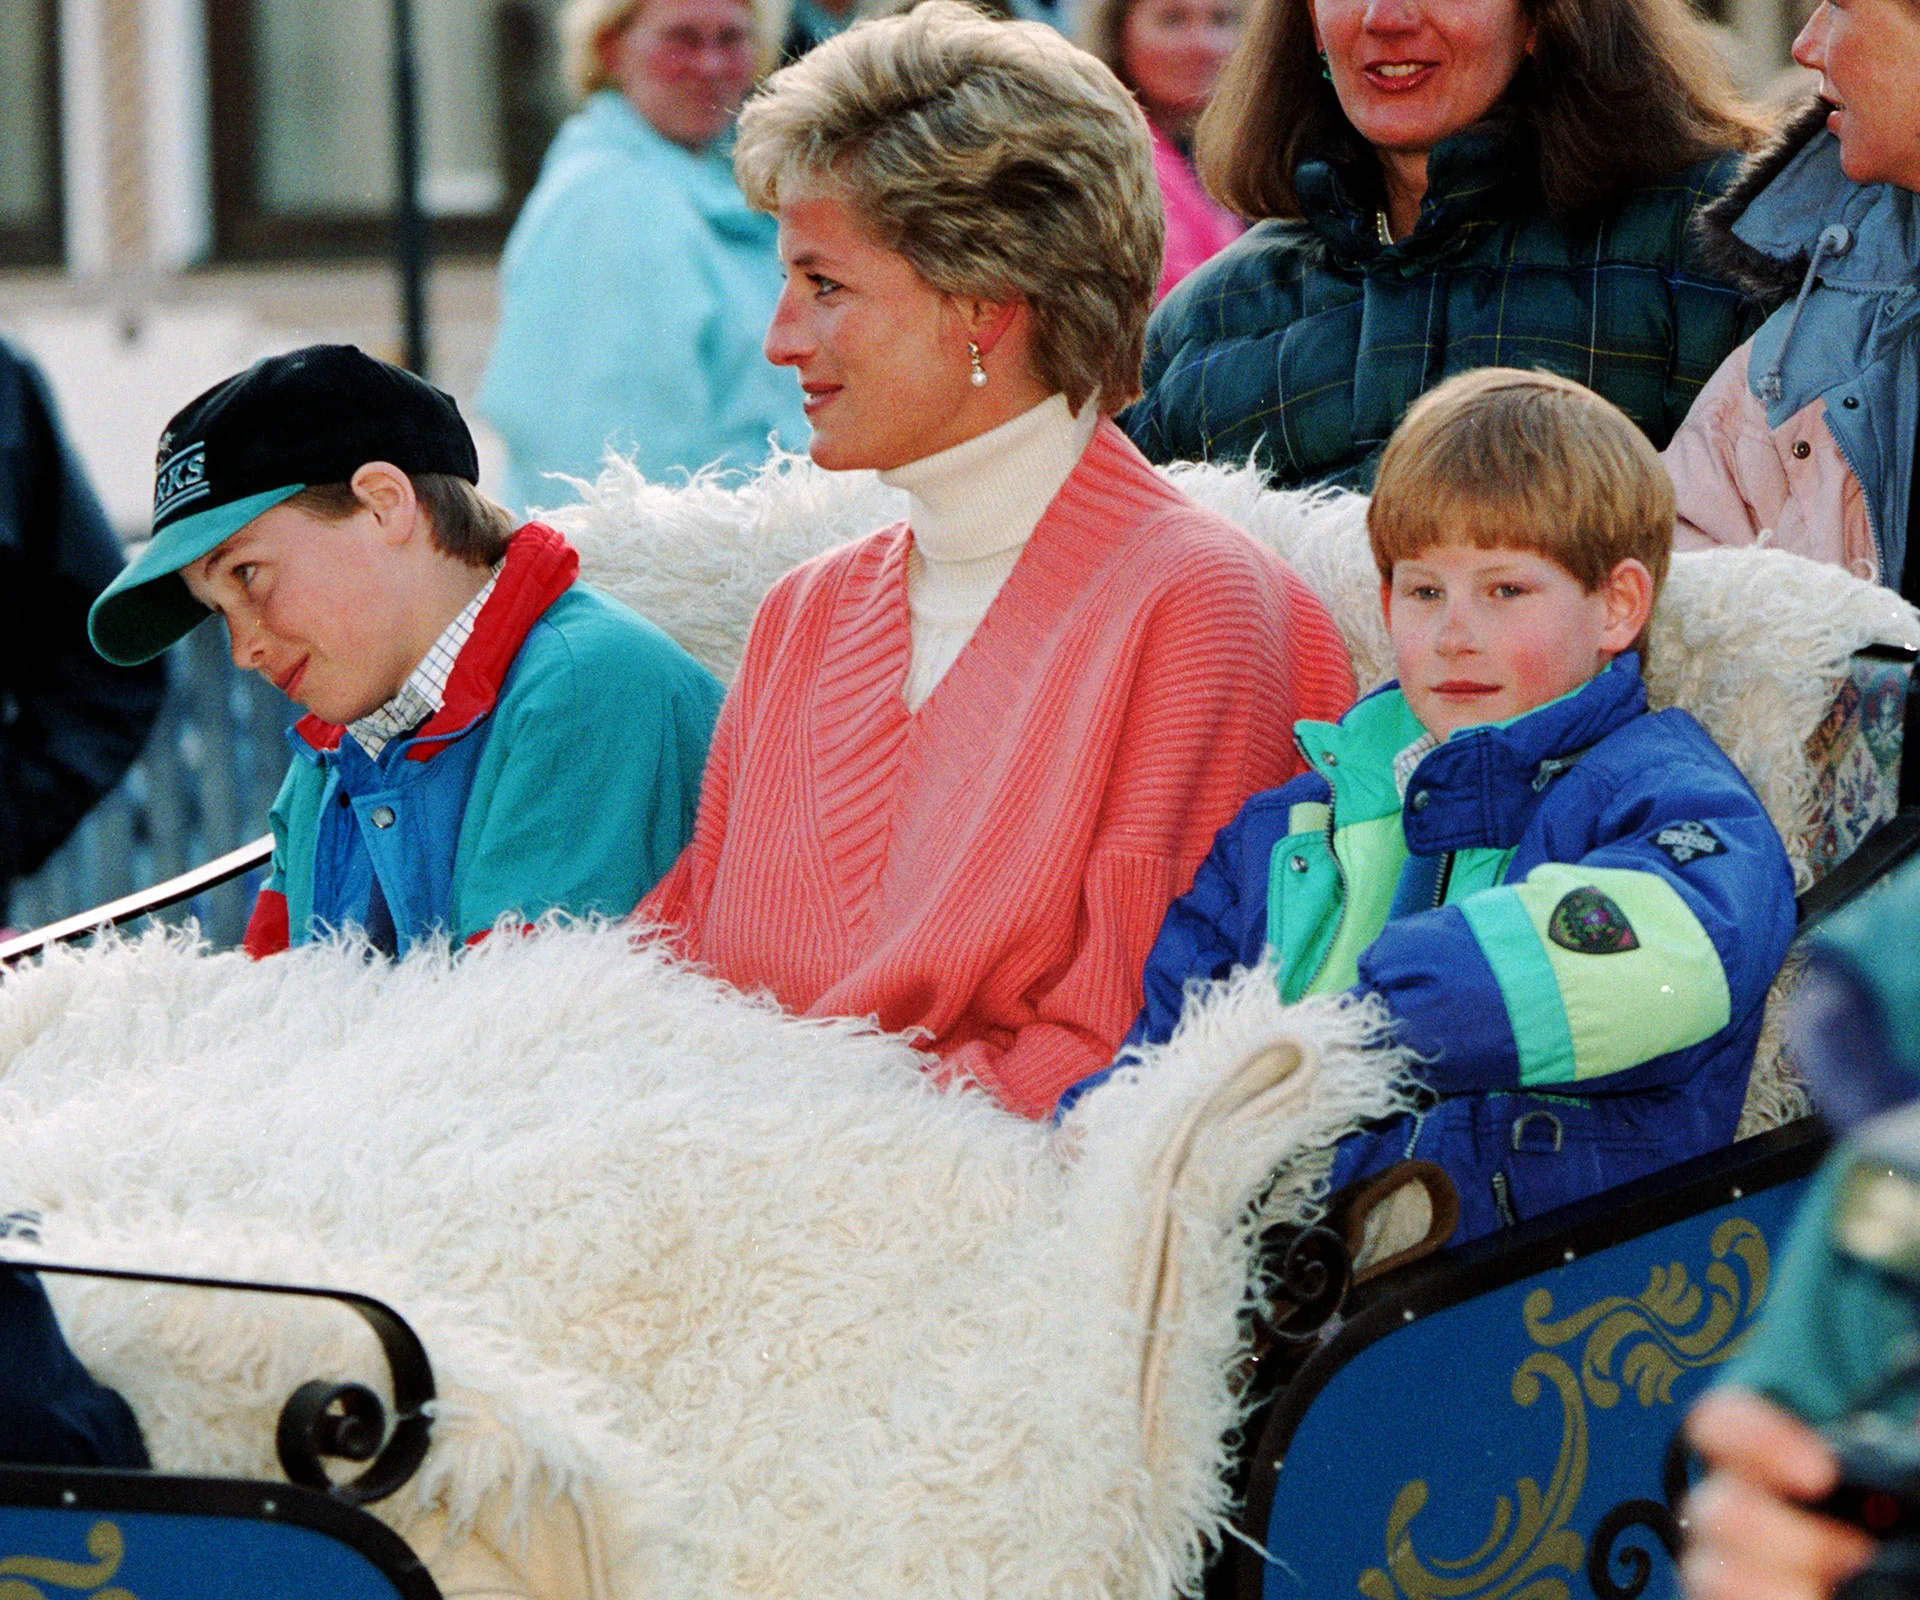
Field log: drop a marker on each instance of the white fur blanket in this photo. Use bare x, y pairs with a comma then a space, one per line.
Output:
771, 1313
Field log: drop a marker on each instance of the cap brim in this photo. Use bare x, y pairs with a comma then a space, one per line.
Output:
148, 606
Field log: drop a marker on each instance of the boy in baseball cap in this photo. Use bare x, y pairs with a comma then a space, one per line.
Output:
485, 734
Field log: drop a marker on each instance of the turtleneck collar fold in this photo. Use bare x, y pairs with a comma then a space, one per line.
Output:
986, 495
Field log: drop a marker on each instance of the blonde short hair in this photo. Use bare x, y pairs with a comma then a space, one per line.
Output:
1500, 458
584, 23
1001, 161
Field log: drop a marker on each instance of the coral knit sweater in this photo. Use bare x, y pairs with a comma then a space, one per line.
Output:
992, 868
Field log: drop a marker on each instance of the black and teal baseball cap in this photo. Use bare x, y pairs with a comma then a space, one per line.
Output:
290, 422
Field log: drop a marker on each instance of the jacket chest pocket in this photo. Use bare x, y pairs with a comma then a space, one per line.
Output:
1303, 909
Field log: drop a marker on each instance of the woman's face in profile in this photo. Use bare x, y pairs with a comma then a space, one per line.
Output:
1867, 53
1173, 51
1409, 73
882, 357
684, 65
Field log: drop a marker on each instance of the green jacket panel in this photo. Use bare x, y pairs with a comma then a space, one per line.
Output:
1333, 880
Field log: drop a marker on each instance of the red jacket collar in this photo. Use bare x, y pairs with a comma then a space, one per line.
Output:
539, 568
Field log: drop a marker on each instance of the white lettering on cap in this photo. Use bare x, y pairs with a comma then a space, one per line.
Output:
180, 480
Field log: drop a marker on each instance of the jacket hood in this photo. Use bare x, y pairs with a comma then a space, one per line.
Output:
1763, 231
1767, 278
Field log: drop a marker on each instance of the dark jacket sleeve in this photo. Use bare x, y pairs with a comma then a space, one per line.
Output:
52, 1413
70, 724
1221, 922
1208, 373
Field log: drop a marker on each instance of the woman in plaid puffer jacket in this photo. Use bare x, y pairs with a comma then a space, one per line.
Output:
1454, 189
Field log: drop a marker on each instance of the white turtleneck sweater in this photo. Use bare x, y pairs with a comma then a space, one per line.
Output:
972, 510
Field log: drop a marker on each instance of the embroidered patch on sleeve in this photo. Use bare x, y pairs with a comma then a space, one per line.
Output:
1588, 923
1686, 841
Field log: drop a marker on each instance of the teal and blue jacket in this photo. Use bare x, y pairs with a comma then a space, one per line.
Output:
1574, 917
563, 770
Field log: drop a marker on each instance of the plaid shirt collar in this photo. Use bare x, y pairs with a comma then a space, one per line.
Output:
425, 690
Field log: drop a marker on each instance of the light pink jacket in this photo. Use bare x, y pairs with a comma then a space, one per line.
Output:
1738, 481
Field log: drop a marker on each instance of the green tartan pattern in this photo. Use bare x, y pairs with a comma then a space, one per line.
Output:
1303, 344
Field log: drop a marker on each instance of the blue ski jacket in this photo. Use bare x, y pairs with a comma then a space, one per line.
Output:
1573, 916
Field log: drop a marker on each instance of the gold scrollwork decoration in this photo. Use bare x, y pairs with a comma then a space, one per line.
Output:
1641, 1343
22, 1577
1671, 1326
1529, 1540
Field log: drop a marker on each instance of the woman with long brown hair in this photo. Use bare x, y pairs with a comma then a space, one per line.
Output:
1446, 184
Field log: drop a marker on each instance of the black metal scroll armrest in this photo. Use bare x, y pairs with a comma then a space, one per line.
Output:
341, 1420
143, 902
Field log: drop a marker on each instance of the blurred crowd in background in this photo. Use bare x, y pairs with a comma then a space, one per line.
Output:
186, 184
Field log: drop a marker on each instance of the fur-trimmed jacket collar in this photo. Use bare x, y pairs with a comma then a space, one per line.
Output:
1762, 232
1766, 277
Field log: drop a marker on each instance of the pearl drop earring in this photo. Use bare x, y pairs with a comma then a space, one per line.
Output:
978, 377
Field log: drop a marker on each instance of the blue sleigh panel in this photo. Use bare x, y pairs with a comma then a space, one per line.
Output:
87, 1535
1500, 1424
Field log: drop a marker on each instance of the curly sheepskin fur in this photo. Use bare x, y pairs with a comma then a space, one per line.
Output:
742, 1298
1753, 642
772, 1310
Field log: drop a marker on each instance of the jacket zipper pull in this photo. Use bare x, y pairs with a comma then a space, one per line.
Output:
1551, 769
